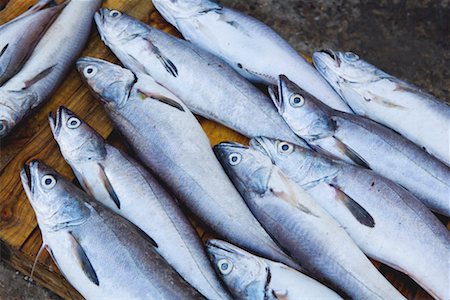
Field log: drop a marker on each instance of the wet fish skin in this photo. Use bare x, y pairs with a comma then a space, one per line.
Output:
19, 37
310, 235
248, 45
170, 141
120, 183
358, 140
49, 62
388, 100
255, 278
80, 233
404, 233
207, 85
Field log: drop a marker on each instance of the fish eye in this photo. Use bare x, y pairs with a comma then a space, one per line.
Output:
73, 123
115, 13
351, 56
3, 126
225, 266
90, 71
296, 100
48, 182
234, 159
285, 148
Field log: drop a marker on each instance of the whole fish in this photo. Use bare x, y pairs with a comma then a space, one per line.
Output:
387, 223
51, 59
250, 277
207, 85
171, 142
101, 254
120, 183
300, 226
248, 45
19, 37
370, 92
356, 139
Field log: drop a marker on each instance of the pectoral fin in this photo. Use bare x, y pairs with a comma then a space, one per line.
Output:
350, 153
108, 186
145, 236
4, 50
161, 99
357, 210
38, 77
167, 63
83, 260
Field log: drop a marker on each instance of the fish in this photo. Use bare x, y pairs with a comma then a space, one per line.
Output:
370, 92
208, 86
301, 226
48, 64
120, 183
385, 220
252, 48
358, 140
19, 37
100, 253
250, 277
168, 139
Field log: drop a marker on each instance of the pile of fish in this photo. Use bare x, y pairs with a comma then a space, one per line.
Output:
345, 162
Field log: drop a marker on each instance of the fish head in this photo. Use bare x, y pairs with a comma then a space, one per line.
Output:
248, 169
307, 116
246, 275
11, 108
111, 83
57, 202
175, 9
76, 139
6, 121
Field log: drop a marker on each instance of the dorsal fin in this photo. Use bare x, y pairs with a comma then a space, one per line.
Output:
83, 260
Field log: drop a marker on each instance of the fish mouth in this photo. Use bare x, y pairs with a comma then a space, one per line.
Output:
216, 244
27, 178
228, 145
331, 54
259, 143
99, 18
276, 93
56, 122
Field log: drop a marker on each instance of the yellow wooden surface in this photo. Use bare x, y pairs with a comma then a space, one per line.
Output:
20, 238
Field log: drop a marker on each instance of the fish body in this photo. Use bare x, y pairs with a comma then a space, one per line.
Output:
248, 45
250, 277
386, 221
19, 37
170, 141
358, 140
49, 62
120, 183
101, 254
370, 92
207, 85
300, 226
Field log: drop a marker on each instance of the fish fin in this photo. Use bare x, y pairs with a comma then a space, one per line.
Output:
41, 250
350, 153
357, 210
108, 186
280, 295
145, 236
83, 260
4, 50
167, 63
38, 77
161, 99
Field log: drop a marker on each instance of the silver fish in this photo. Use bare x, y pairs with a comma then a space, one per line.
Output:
358, 140
120, 183
250, 277
51, 59
300, 226
101, 254
19, 37
387, 223
370, 92
207, 85
171, 142
248, 45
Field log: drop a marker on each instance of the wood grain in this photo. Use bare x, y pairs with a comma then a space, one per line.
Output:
20, 238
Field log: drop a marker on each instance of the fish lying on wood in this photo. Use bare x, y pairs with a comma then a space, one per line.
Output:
207, 85
300, 226
386, 221
120, 183
167, 137
358, 140
250, 277
101, 254
370, 92
50, 61
251, 47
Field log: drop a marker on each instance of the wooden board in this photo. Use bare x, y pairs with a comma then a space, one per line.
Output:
20, 238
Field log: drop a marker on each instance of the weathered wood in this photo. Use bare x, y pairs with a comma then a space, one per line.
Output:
20, 238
